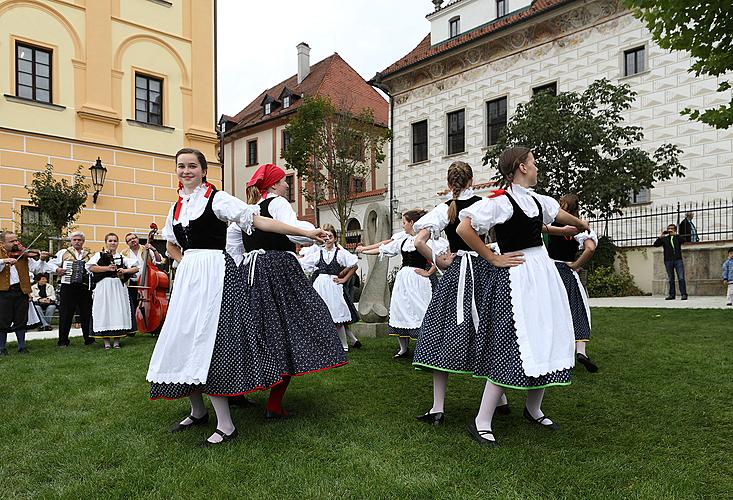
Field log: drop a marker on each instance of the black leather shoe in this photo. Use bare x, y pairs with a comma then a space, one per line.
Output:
587, 362
404, 355
194, 422
24, 351
538, 421
432, 418
225, 438
478, 436
669, 297
684, 297
357, 345
271, 415
503, 409
3, 352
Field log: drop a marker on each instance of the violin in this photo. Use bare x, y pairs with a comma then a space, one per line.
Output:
21, 251
152, 293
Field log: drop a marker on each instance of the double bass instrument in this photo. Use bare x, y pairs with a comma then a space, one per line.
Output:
152, 292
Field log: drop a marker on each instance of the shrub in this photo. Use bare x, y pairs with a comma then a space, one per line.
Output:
604, 282
605, 254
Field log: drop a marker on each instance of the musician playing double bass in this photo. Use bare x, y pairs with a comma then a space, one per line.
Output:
15, 288
135, 251
75, 292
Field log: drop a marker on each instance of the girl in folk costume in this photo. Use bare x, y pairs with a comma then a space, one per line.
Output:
447, 342
563, 250
292, 332
200, 346
111, 318
412, 289
327, 265
525, 333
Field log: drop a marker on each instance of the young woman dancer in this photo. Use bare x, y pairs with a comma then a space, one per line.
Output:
563, 250
111, 317
293, 332
447, 341
199, 350
327, 264
412, 289
525, 333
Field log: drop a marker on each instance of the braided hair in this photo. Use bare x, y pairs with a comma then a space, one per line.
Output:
509, 161
460, 177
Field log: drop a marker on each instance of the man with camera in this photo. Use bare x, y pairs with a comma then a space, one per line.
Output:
671, 243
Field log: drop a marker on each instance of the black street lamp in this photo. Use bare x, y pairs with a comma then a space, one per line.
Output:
98, 173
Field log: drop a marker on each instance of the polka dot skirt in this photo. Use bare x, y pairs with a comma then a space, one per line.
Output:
405, 333
443, 344
497, 357
577, 304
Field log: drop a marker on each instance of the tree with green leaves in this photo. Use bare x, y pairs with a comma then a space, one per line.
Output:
582, 146
329, 148
705, 30
59, 201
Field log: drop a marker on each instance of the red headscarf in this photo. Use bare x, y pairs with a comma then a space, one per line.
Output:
265, 177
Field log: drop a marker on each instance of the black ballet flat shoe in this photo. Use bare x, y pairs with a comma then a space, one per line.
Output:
478, 436
194, 422
587, 362
669, 297
271, 415
503, 409
404, 355
225, 438
538, 421
241, 401
357, 345
432, 418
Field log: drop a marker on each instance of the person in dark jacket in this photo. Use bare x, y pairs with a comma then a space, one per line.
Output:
688, 230
671, 243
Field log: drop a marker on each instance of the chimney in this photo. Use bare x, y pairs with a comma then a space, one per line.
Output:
304, 61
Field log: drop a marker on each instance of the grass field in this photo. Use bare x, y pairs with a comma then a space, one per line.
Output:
655, 422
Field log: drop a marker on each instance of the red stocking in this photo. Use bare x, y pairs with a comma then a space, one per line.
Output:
274, 402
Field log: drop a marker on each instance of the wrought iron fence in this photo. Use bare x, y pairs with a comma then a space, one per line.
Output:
353, 239
640, 226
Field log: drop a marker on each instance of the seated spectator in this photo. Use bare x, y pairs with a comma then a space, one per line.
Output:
44, 297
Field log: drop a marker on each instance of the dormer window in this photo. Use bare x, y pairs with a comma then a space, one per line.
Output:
287, 97
268, 108
269, 105
286, 101
455, 26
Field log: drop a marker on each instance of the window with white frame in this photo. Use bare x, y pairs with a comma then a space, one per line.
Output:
456, 132
455, 26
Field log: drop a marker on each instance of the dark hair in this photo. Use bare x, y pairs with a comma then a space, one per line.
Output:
569, 203
730, 250
42, 275
672, 225
460, 176
199, 157
414, 214
510, 159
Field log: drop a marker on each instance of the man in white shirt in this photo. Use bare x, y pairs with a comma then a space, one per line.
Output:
135, 251
15, 289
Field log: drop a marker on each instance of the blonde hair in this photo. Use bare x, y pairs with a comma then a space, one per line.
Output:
460, 176
330, 229
253, 195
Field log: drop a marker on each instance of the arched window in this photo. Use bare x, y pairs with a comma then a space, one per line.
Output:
455, 26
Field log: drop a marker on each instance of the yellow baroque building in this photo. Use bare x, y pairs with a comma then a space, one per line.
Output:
126, 81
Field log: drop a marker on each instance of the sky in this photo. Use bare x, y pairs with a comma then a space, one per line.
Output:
257, 39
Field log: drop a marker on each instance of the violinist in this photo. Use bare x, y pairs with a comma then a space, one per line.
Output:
135, 251
75, 293
111, 319
16, 265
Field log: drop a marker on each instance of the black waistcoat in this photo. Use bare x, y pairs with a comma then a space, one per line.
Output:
333, 268
262, 240
520, 231
455, 241
563, 248
412, 259
207, 232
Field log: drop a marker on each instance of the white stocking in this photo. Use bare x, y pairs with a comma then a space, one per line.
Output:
198, 409
503, 400
352, 338
440, 381
534, 404
223, 418
403, 344
580, 348
342, 336
489, 401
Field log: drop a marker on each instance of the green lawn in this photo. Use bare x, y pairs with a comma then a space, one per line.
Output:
655, 422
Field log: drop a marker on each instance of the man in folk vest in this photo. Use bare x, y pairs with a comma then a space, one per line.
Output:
15, 289
76, 293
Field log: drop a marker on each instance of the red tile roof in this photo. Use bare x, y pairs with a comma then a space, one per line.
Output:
425, 51
331, 77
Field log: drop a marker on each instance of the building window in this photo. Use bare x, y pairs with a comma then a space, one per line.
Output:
500, 8
148, 99
32, 221
496, 113
455, 26
644, 195
252, 152
634, 61
290, 195
357, 184
33, 73
286, 140
286, 101
456, 132
420, 141
268, 108
550, 88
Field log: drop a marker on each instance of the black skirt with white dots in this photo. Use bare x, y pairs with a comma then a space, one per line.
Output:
230, 371
295, 332
577, 300
443, 344
498, 358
